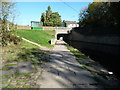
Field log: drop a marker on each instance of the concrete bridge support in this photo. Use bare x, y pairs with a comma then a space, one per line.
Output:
60, 30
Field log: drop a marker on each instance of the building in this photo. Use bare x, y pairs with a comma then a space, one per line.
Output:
36, 25
70, 24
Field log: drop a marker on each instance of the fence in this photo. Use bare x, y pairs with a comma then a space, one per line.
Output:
43, 28
49, 28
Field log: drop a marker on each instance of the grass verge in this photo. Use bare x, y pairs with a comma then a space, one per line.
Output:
77, 53
21, 53
38, 36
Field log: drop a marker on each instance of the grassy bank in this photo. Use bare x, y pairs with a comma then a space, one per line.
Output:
38, 36
13, 58
77, 53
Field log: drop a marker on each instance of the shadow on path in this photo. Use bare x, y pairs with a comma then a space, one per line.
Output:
63, 71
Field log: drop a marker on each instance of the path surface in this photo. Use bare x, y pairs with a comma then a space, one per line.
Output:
63, 71
60, 71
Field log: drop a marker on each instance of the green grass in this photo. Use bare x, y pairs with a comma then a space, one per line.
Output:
27, 45
38, 36
77, 53
22, 74
9, 86
23, 52
79, 56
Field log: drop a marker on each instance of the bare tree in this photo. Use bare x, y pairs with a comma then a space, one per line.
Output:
7, 25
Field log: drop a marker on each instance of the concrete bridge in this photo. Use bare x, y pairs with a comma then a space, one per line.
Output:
62, 30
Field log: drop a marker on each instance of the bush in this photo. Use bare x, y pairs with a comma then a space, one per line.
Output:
8, 37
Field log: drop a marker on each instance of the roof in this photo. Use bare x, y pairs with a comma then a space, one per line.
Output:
70, 22
35, 21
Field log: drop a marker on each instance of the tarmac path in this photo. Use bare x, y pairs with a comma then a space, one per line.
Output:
63, 71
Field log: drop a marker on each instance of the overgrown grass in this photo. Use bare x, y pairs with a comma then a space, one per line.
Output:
39, 36
27, 45
23, 52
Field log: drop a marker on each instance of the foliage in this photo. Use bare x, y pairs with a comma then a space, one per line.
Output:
40, 37
43, 18
55, 18
51, 18
77, 53
48, 13
13, 55
114, 9
101, 16
7, 28
67, 25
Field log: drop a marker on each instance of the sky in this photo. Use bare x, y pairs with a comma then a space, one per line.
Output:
31, 11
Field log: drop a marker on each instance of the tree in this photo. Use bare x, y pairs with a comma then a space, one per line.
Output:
56, 19
82, 15
51, 18
101, 17
48, 13
43, 19
114, 9
7, 27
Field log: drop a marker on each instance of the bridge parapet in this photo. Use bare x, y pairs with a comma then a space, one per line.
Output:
63, 28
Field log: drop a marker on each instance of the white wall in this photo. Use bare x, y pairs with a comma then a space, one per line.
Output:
73, 25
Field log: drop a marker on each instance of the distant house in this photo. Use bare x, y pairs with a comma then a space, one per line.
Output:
70, 24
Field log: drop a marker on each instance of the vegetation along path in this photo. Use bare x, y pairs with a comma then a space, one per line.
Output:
50, 68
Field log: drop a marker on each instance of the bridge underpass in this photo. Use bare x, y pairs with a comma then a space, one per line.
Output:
63, 36
62, 32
